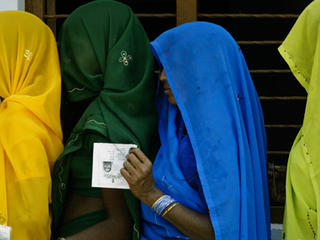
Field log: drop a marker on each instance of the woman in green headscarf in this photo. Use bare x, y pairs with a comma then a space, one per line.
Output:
107, 66
301, 50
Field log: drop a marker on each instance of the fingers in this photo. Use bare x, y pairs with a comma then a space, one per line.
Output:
130, 168
136, 163
129, 173
126, 175
137, 167
140, 155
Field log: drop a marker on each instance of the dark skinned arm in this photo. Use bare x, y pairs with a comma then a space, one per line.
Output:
138, 173
118, 224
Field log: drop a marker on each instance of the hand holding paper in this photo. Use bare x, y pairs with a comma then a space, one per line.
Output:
108, 159
138, 173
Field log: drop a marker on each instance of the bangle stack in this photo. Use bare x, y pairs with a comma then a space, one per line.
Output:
169, 208
164, 204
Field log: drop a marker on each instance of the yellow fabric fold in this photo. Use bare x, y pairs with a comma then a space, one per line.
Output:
301, 50
3, 191
31, 136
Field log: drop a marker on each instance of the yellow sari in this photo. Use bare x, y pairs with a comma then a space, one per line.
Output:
301, 50
30, 131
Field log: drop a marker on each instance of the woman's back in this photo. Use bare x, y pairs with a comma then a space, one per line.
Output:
31, 137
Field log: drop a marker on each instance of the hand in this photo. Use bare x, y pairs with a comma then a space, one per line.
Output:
137, 170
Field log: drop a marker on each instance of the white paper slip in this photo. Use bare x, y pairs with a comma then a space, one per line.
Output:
5, 232
108, 159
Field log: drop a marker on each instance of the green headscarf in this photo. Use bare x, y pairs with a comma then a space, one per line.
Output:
301, 50
105, 56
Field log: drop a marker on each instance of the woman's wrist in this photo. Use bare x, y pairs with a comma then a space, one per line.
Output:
151, 197
162, 204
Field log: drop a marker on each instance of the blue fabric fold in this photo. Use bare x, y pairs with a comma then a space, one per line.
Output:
220, 108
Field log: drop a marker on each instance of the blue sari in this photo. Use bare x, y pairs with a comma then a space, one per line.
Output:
221, 112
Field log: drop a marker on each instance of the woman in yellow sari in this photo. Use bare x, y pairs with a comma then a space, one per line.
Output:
301, 51
30, 131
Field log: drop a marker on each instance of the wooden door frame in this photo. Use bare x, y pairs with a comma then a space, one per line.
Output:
36, 7
187, 11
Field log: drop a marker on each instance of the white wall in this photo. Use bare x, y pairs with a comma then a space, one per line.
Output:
11, 5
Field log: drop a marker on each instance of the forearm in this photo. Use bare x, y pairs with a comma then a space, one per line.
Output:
195, 225
118, 224
109, 229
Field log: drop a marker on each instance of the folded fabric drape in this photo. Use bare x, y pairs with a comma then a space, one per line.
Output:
105, 60
301, 51
220, 108
31, 136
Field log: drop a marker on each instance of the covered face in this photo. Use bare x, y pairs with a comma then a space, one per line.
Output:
107, 62
29, 67
166, 88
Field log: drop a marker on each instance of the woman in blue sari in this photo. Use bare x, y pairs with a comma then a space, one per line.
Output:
209, 178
